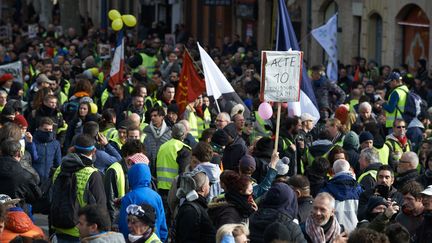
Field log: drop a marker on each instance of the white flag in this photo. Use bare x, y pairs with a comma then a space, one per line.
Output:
326, 36
216, 83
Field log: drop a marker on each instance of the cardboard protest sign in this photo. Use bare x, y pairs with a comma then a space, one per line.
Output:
281, 73
14, 68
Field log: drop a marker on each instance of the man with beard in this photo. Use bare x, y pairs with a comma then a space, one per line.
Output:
137, 106
383, 187
411, 216
322, 225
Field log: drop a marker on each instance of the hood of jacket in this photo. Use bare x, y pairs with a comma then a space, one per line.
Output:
351, 141
139, 176
320, 147
343, 187
72, 162
281, 197
212, 171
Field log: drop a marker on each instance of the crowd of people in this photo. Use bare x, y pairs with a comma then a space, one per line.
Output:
119, 163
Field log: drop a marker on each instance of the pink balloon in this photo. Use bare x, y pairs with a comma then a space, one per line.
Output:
265, 110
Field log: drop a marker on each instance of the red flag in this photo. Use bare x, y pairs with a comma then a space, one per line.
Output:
190, 86
357, 74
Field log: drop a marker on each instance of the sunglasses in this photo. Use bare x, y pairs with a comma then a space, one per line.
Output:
135, 210
400, 127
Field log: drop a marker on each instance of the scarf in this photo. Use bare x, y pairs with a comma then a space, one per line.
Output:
158, 132
317, 234
241, 202
403, 140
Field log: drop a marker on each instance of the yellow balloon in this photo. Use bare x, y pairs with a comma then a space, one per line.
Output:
113, 14
117, 24
129, 20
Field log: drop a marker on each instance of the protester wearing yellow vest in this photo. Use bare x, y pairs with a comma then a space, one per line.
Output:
115, 180
369, 164
192, 117
395, 105
367, 141
172, 158
89, 183
397, 142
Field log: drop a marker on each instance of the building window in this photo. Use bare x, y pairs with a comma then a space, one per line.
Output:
375, 37
217, 2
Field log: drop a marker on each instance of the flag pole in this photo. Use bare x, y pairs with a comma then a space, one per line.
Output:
277, 126
195, 64
217, 105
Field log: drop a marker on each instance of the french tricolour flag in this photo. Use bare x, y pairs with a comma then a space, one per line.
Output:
285, 40
117, 64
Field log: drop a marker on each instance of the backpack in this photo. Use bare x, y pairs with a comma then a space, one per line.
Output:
414, 105
172, 232
64, 203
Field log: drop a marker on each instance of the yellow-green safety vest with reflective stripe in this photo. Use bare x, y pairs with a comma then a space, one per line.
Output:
149, 63
286, 143
120, 178
104, 97
116, 140
110, 133
166, 163
82, 178
373, 173
62, 98
352, 103
397, 113
66, 87
207, 118
193, 123
261, 122
396, 147
153, 239
383, 154
200, 126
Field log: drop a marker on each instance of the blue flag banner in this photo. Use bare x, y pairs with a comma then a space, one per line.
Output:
285, 40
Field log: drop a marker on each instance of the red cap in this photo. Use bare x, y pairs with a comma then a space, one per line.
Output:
5, 77
20, 121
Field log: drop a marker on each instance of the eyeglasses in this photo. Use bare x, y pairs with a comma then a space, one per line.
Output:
403, 161
217, 120
135, 210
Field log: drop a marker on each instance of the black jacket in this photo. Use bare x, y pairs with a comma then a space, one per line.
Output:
364, 198
95, 192
259, 221
193, 226
233, 153
426, 178
16, 182
233, 209
423, 233
405, 177
110, 183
